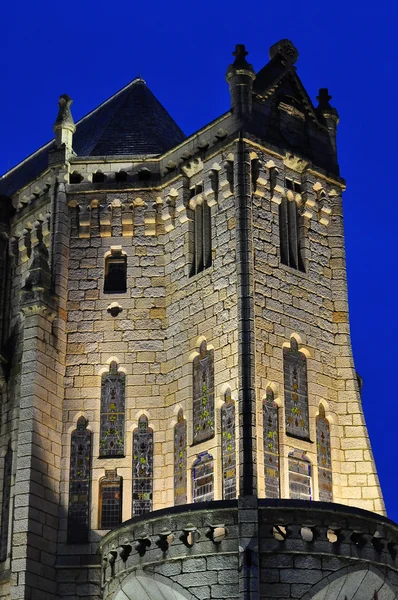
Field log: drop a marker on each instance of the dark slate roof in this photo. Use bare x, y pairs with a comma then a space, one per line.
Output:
132, 122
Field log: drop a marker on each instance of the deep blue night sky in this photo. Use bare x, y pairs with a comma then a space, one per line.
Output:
91, 49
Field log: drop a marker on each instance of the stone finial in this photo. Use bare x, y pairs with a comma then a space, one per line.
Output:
324, 108
240, 76
64, 126
286, 49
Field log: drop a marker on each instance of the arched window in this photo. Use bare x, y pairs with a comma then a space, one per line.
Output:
5, 507
300, 476
142, 467
110, 500
115, 281
79, 483
112, 412
202, 258
271, 446
228, 447
289, 228
180, 460
203, 395
325, 477
203, 478
296, 392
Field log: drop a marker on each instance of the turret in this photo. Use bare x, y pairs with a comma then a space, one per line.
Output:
64, 126
328, 114
240, 76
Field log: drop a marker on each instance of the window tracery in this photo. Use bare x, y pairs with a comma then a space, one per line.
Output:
228, 447
203, 395
325, 475
142, 467
271, 446
5, 512
300, 476
296, 391
112, 412
79, 483
110, 500
180, 460
203, 478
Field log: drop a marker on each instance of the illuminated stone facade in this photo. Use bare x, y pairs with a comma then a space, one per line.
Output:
175, 331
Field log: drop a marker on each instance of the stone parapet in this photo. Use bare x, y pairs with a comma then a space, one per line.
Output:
303, 547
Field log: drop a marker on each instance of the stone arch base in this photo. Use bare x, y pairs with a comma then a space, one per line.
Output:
140, 586
361, 583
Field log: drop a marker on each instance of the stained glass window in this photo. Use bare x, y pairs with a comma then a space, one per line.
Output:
5, 513
142, 467
325, 479
296, 394
110, 505
112, 412
180, 460
203, 478
228, 447
203, 395
79, 483
271, 446
300, 476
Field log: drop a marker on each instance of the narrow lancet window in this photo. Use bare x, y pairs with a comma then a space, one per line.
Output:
296, 391
112, 412
228, 447
180, 460
290, 228
300, 476
142, 467
202, 255
271, 446
110, 500
203, 478
79, 484
325, 478
203, 395
115, 281
5, 507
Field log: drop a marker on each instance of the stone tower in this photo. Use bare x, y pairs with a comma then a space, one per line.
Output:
180, 413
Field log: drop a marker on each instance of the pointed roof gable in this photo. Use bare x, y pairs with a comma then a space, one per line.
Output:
132, 122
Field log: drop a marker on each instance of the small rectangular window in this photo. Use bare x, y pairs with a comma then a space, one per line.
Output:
115, 274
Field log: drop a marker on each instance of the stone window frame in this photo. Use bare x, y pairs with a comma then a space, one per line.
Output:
114, 371
296, 399
200, 230
143, 434
302, 479
110, 480
180, 442
203, 414
291, 225
270, 405
115, 256
324, 456
79, 531
203, 459
228, 447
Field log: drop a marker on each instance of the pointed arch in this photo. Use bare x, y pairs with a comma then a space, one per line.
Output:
112, 412
296, 391
79, 483
228, 447
180, 460
203, 394
271, 445
324, 457
142, 467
